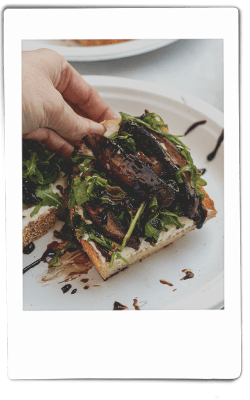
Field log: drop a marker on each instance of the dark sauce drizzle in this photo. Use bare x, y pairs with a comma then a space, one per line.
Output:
29, 248
119, 306
60, 188
46, 257
193, 126
189, 275
66, 288
165, 282
32, 265
211, 156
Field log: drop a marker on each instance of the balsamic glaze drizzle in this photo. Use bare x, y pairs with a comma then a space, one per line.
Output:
47, 257
193, 126
29, 248
119, 306
211, 156
66, 288
32, 265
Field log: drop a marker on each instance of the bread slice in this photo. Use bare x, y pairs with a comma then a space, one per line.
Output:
38, 225
145, 248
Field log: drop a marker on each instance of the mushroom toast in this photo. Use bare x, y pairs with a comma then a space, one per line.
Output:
134, 191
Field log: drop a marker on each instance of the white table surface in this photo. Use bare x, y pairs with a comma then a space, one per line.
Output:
193, 66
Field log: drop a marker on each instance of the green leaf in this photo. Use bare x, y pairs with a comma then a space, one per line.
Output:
155, 123
30, 169
80, 191
201, 181
83, 191
133, 224
150, 123
188, 167
48, 198
103, 242
55, 259
119, 256
151, 231
41, 164
125, 141
195, 178
116, 254
169, 218
153, 204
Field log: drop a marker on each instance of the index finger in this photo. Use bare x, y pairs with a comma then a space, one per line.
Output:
82, 96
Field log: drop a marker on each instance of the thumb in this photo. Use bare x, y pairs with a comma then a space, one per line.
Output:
66, 122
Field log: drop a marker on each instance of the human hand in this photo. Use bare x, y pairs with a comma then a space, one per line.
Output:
58, 106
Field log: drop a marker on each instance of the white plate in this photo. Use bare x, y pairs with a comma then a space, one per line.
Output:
201, 251
97, 53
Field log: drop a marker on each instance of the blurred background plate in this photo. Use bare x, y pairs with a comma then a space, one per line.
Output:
201, 251
72, 52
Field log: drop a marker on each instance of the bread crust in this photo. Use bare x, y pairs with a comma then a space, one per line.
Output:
99, 261
36, 229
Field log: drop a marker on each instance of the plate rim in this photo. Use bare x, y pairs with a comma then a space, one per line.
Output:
166, 90
101, 53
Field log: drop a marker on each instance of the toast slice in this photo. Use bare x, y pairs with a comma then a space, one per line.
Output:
145, 249
129, 255
37, 225
45, 178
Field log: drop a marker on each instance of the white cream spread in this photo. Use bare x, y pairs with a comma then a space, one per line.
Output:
129, 251
27, 218
172, 230
44, 209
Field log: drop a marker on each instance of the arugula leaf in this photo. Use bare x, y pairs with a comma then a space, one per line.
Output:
40, 164
55, 259
169, 218
40, 168
78, 192
153, 229
84, 228
116, 254
151, 122
160, 221
103, 242
48, 198
133, 224
153, 204
83, 190
195, 178
30, 169
124, 140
